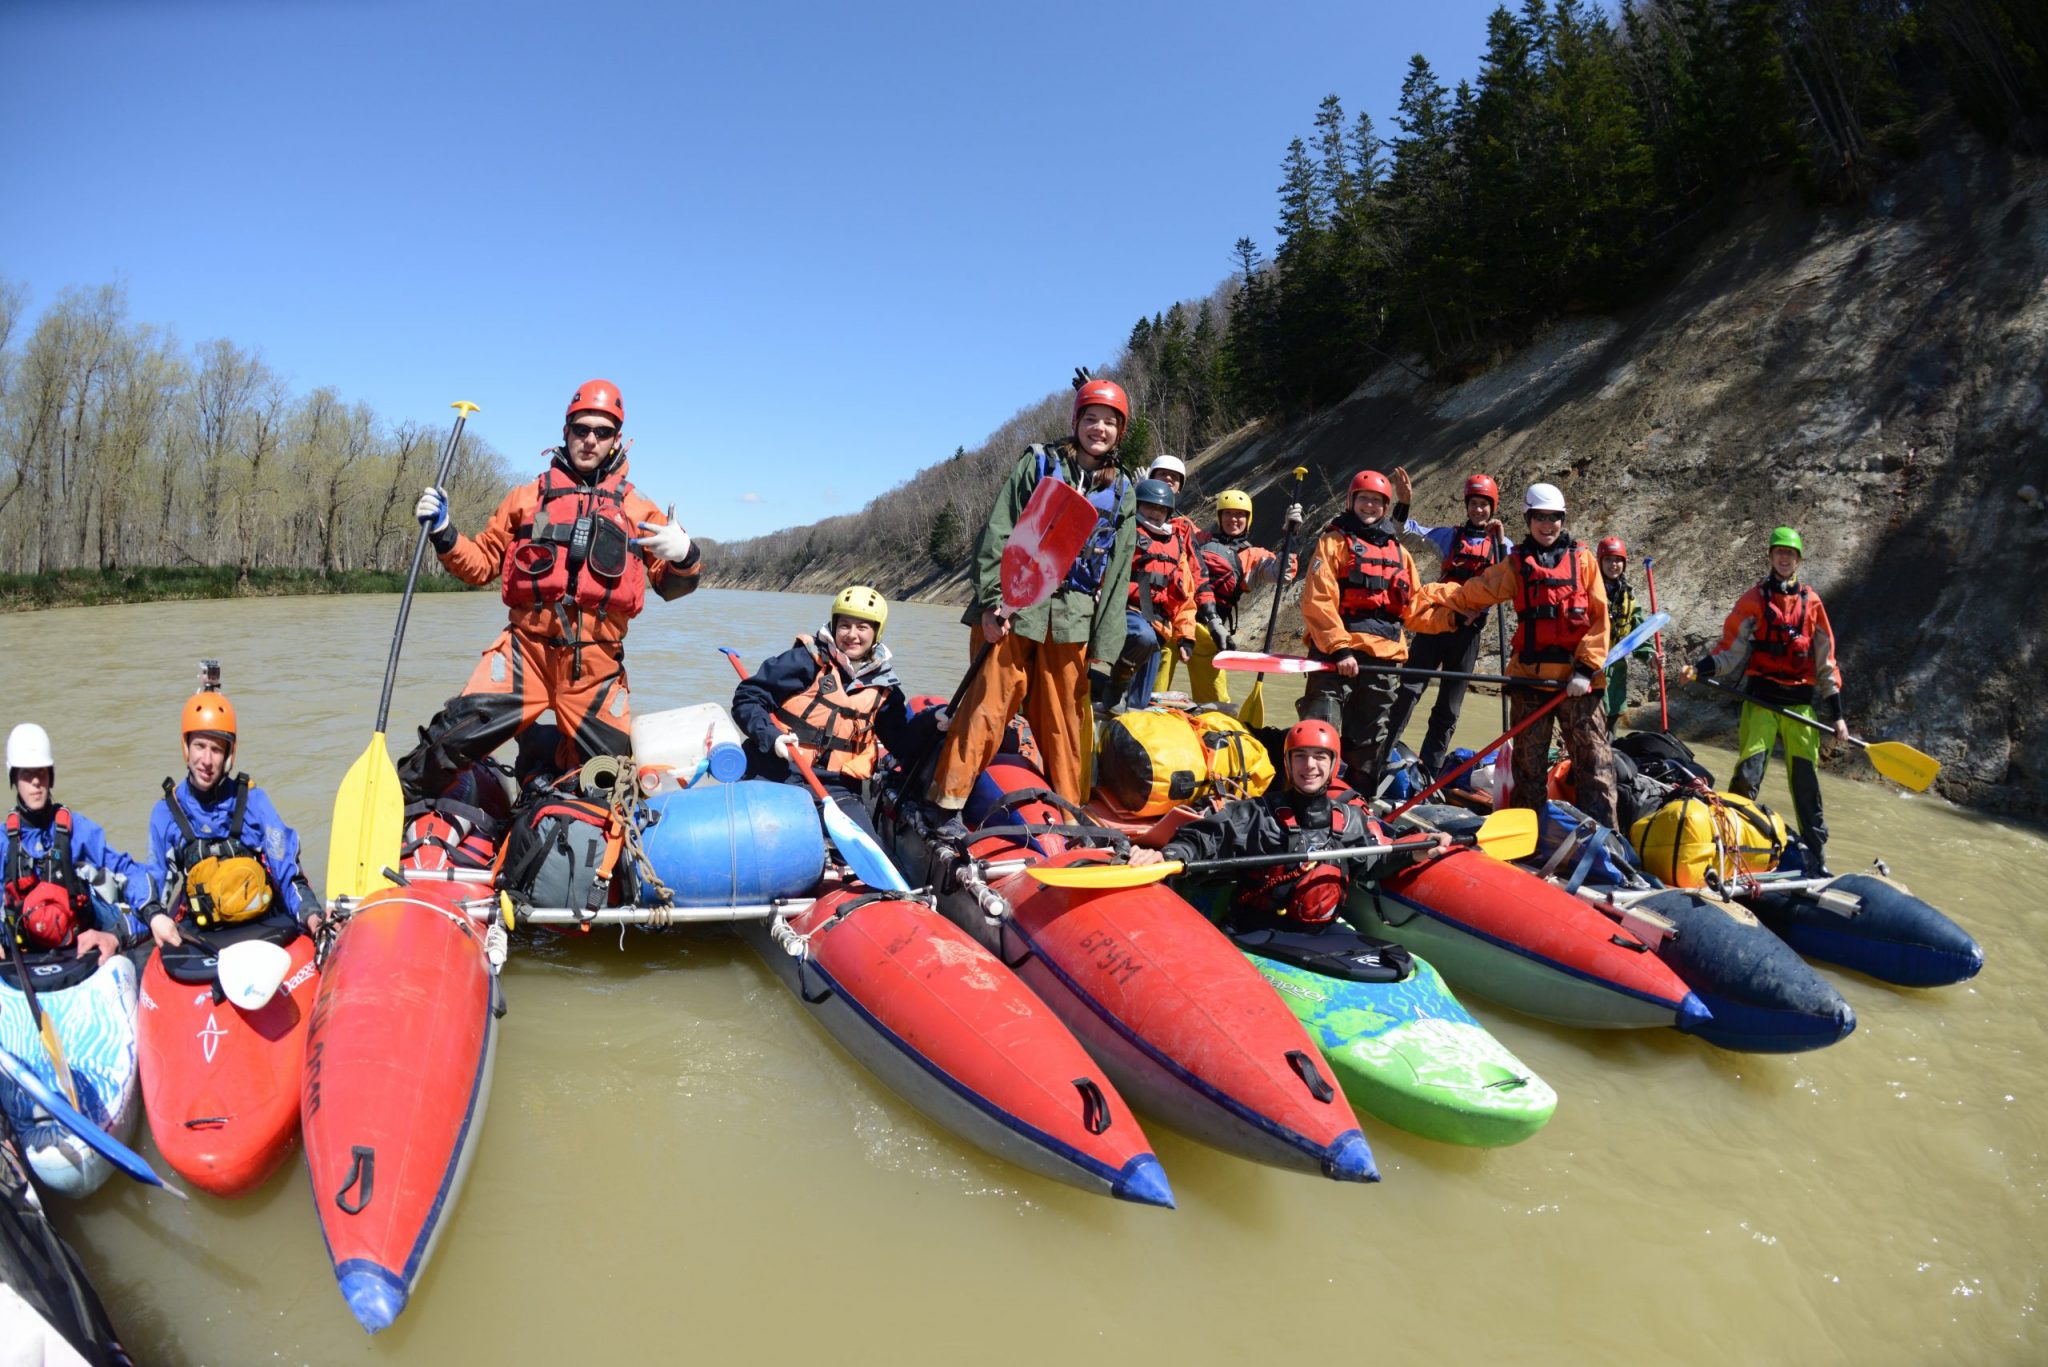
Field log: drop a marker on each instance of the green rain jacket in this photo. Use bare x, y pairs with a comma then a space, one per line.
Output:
1069, 615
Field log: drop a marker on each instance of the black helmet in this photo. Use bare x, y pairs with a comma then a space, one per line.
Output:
1156, 491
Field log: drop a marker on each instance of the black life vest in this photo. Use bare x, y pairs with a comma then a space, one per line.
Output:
1472, 549
834, 723
25, 871
1373, 586
1783, 649
577, 551
1553, 602
1272, 888
196, 847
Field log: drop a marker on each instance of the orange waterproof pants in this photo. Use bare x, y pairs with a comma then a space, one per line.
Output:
1048, 682
518, 678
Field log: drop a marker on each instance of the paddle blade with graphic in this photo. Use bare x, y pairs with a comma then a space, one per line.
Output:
1055, 524
369, 824
117, 1153
1259, 662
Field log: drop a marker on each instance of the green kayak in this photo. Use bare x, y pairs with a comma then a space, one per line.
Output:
1408, 1053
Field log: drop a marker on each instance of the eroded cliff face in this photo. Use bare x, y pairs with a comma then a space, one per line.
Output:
1875, 379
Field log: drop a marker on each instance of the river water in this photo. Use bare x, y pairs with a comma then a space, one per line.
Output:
676, 1163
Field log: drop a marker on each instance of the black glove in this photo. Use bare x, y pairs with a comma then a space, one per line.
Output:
1081, 376
1213, 620
1705, 668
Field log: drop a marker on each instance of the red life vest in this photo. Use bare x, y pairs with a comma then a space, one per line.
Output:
836, 726
1307, 891
1783, 649
40, 891
1553, 605
1373, 586
1472, 550
577, 550
1155, 572
1223, 562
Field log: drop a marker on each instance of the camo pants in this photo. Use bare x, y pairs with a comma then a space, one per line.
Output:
1585, 740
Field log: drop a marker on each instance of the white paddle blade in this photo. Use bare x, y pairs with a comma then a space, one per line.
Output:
250, 972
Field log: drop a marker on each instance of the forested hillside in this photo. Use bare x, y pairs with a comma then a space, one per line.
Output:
121, 448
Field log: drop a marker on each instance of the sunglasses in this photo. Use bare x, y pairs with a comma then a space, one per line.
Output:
586, 429
1546, 517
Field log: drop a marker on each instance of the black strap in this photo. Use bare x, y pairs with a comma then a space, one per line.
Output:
364, 1171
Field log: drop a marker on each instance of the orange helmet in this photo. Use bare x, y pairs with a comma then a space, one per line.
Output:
1482, 486
1371, 482
598, 396
1109, 394
208, 713
1313, 734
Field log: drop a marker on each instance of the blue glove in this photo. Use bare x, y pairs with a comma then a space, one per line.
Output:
432, 509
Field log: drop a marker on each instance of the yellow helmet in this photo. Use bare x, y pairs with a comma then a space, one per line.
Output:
858, 600
1235, 501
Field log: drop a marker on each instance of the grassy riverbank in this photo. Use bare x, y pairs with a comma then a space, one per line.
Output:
85, 588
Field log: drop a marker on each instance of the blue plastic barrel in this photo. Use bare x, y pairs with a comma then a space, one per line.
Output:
727, 843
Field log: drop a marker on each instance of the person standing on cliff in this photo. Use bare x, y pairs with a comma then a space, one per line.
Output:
1466, 551
1779, 643
1561, 635
576, 551
1038, 660
1357, 602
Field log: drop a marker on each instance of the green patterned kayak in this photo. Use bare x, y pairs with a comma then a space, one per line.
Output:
1408, 1053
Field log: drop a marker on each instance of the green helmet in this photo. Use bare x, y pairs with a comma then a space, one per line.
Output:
1785, 536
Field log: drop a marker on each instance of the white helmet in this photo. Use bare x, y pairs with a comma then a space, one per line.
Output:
1543, 498
28, 747
1172, 463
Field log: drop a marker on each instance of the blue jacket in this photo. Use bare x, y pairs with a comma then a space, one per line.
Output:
263, 831
782, 677
88, 846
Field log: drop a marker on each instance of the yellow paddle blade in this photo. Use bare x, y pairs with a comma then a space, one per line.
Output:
1509, 833
1253, 713
55, 1048
1105, 876
1902, 764
369, 824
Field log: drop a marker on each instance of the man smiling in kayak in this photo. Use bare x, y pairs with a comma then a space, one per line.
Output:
1779, 641
1303, 815
1038, 660
237, 859
43, 850
575, 552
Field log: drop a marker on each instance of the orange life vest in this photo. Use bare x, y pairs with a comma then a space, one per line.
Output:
835, 725
1783, 649
578, 549
1553, 605
1373, 587
1472, 550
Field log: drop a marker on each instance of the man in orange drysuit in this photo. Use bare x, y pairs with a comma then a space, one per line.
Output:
573, 573
1038, 660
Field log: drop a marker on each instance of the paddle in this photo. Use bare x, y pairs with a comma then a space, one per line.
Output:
1500, 624
1663, 700
10, 944
369, 808
117, 1153
1253, 713
863, 855
1246, 661
1652, 624
1507, 834
1896, 760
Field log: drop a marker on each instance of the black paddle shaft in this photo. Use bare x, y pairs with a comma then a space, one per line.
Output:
1280, 575
419, 554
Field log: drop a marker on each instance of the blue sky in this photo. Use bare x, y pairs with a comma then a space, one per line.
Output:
816, 246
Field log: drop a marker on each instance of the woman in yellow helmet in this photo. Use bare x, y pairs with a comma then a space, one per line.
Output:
836, 692
1231, 567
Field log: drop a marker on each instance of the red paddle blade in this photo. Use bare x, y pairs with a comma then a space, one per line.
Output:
1055, 525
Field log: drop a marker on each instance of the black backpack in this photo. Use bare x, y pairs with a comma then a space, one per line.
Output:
554, 855
1663, 757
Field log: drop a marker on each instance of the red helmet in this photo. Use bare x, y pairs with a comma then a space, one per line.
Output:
1612, 545
48, 920
1313, 734
1109, 394
1482, 486
1370, 482
598, 396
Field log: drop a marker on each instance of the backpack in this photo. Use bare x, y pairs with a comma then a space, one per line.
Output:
1663, 757
562, 853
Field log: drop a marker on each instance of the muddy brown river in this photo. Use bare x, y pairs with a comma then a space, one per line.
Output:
677, 1165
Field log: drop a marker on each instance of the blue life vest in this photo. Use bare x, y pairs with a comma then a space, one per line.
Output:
1091, 565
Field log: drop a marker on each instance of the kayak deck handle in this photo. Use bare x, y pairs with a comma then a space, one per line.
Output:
362, 1171
1094, 1106
1312, 1076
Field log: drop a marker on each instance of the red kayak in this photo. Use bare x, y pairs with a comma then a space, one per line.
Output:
958, 1036
1174, 1013
221, 1084
398, 1070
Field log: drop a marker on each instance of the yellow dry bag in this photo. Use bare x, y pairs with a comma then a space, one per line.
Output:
1692, 833
225, 891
